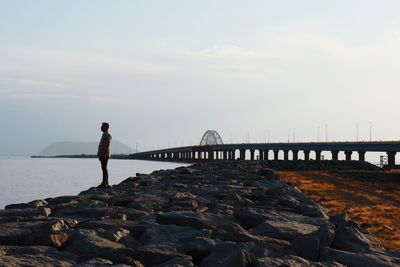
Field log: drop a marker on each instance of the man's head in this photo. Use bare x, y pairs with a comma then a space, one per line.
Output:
105, 126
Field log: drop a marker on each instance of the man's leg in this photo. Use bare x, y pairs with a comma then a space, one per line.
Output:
105, 171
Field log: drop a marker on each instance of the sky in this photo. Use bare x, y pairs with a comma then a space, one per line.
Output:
163, 72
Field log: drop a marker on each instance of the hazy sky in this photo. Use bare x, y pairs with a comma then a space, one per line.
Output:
163, 72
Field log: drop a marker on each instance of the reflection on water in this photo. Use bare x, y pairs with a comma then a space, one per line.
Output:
24, 179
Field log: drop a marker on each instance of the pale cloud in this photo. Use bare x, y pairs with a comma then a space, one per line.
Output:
30, 83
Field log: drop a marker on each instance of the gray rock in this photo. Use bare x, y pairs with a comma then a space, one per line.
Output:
87, 244
156, 254
26, 212
33, 204
192, 219
171, 234
250, 217
34, 256
349, 236
198, 248
358, 259
45, 233
287, 225
176, 262
307, 247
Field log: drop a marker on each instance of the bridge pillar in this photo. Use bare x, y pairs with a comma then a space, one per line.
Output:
252, 154
335, 155
210, 154
263, 154
260, 154
391, 158
276, 154
266, 152
317, 155
243, 154
361, 155
233, 154
306, 155
295, 154
348, 154
286, 154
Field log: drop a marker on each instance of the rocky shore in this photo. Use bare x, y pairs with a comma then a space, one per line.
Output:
214, 214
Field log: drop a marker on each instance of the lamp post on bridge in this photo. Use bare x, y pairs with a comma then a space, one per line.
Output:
326, 133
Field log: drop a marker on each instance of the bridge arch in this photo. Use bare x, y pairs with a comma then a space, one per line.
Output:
211, 137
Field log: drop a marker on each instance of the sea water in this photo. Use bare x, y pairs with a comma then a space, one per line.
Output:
23, 179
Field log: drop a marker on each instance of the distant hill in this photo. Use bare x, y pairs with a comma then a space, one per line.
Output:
78, 148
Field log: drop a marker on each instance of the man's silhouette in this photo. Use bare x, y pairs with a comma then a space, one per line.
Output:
104, 152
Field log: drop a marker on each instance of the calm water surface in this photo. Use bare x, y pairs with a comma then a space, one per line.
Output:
24, 179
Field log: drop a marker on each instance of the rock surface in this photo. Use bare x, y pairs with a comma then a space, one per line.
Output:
215, 214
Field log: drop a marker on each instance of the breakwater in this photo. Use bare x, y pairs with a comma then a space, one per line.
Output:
209, 214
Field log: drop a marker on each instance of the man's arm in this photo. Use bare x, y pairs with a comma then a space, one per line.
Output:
107, 146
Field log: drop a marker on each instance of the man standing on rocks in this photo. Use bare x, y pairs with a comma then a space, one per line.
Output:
104, 152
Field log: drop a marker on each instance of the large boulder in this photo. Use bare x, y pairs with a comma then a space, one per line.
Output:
35, 256
349, 236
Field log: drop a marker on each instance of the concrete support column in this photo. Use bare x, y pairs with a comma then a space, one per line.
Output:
391, 158
251, 154
295, 154
286, 154
335, 155
266, 152
260, 154
242, 154
233, 154
348, 154
318, 155
225, 154
276, 154
361, 155
306, 155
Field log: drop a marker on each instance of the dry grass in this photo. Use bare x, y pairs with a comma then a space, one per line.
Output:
375, 205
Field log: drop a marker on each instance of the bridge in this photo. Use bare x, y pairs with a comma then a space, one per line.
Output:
212, 148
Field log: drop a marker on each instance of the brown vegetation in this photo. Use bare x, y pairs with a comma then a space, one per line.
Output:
373, 204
